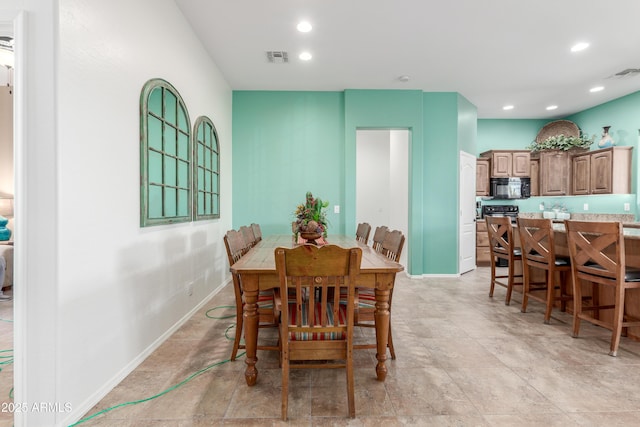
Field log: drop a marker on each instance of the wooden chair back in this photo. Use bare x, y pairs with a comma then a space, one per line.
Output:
392, 245
257, 232
234, 244
378, 237
236, 248
316, 326
248, 236
362, 232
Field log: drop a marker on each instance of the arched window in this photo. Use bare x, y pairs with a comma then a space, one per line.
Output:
165, 155
206, 170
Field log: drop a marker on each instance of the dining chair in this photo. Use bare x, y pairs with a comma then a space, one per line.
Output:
537, 245
235, 246
257, 232
365, 299
378, 237
316, 330
248, 236
362, 232
598, 256
502, 246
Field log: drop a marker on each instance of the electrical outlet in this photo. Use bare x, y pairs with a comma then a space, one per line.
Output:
627, 207
541, 206
585, 207
336, 209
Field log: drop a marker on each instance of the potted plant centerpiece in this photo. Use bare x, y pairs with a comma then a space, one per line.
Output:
311, 219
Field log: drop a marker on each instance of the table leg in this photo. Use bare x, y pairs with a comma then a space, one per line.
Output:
382, 330
250, 284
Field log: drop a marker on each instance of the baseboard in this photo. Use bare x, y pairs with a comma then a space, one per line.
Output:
90, 402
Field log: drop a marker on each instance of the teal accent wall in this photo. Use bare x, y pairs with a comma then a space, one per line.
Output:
622, 114
383, 109
285, 144
507, 134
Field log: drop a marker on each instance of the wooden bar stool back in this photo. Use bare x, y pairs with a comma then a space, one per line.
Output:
538, 252
597, 256
502, 246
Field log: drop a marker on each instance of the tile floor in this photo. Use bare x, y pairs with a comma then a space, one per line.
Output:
463, 360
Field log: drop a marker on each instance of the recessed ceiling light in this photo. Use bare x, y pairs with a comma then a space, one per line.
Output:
552, 107
507, 107
579, 46
305, 56
304, 27
404, 79
596, 89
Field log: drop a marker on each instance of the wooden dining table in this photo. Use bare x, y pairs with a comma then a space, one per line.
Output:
257, 272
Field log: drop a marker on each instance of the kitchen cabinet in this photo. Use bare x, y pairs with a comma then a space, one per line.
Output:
482, 177
508, 163
605, 171
554, 173
483, 254
534, 167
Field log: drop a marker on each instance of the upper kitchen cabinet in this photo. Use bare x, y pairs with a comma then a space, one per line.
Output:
535, 176
482, 177
508, 163
605, 171
554, 171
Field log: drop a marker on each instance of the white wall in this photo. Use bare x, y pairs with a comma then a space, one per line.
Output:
382, 180
98, 292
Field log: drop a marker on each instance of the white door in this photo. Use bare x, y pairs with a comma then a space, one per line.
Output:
467, 244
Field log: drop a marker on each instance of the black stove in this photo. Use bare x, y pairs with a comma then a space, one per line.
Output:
501, 210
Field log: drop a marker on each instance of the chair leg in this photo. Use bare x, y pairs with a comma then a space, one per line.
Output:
510, 283
577, 306
493, 277
526, 286
551, 290
285, 387
351, 386
618, 317
238, 337
390, 343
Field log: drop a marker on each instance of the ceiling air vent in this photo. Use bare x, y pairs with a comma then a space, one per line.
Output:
277, 57
629, 72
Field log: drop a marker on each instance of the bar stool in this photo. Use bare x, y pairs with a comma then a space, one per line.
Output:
597, 256
502, 246
538, 251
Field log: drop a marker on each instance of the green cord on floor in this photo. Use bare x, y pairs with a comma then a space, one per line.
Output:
180, 384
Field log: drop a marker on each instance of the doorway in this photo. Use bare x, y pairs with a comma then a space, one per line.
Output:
467, 218
382, 181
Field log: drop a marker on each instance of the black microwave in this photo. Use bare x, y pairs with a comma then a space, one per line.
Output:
510, 188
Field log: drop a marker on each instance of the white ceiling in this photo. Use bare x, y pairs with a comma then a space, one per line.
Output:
493, 52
